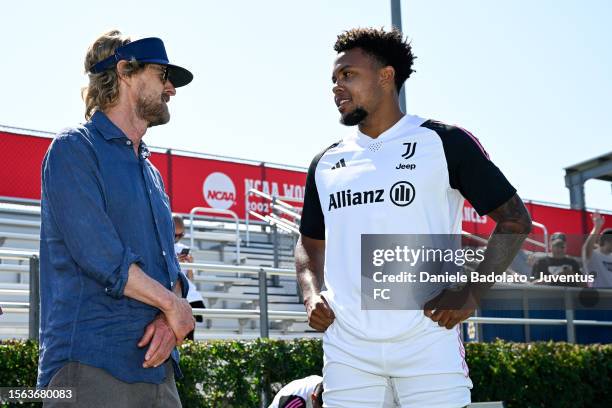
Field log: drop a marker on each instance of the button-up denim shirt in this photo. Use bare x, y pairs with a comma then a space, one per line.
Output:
103, 208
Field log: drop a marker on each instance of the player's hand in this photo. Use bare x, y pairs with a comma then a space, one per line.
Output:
451, 307
180, 318
320, 315
161, 340
598, 220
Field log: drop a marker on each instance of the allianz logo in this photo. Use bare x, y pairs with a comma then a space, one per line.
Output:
346, 198
401, 194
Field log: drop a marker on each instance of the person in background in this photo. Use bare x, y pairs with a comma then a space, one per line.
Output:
598, 261
303, 393
182, 252
558, 263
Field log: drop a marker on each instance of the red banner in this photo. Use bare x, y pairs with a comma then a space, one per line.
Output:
21, 157
194, 180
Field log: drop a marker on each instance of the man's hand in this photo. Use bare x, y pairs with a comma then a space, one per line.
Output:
598, 220
179, 318
589, 243
161, 340
451, 307
320, 315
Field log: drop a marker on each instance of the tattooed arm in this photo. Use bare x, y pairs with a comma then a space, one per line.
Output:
513, 226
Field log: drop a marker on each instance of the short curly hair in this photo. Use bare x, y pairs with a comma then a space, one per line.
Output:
387, 47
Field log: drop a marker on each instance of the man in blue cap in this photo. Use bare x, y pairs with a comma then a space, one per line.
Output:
112, 296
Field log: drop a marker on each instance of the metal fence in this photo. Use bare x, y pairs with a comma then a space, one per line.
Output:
264, 315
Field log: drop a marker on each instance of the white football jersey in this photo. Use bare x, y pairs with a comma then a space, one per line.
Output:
297, 393
412, 179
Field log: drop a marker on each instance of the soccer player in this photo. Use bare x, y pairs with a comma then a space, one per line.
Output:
396, 174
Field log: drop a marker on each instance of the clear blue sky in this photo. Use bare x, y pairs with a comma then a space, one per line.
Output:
531, 79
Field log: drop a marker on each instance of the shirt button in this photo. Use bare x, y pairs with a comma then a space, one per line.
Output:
164, 253
128, 142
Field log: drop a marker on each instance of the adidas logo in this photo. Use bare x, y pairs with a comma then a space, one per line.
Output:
341, 163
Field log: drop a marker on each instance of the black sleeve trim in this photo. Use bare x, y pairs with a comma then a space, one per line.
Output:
313, 221
470, 170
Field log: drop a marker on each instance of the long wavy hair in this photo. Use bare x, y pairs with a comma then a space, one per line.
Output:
103, 89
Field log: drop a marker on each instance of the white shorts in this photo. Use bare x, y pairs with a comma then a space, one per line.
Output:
426, 369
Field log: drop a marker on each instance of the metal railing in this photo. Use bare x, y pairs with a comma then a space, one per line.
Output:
542, 244
277, 206
264, 315
219, 212
33, 306
262, 276
538, 243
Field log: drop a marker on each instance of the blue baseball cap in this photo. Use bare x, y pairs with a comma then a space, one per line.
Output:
146, 50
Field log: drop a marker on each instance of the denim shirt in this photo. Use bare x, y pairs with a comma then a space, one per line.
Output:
103, 208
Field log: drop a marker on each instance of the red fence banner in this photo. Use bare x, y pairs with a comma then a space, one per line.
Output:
199, 180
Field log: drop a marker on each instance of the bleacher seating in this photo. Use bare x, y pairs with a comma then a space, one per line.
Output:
214, 243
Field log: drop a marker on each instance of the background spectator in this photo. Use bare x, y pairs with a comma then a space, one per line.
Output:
598, 260
558, 263
182, 252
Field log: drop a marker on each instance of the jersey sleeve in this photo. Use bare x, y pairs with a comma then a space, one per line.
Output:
313, 221
470, 169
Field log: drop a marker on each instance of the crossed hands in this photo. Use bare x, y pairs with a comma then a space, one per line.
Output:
166, 331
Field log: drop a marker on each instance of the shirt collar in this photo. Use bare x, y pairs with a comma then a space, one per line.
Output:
393, 129
110, 131
106, 127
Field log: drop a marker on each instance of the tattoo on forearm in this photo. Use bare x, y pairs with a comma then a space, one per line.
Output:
513, 226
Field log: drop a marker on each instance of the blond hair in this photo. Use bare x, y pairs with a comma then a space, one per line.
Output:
103, 89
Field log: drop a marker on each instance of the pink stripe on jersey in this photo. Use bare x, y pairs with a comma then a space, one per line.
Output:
296, 403
466, 370
475, 139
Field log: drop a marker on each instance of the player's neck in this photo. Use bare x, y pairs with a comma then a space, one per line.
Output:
381, 120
